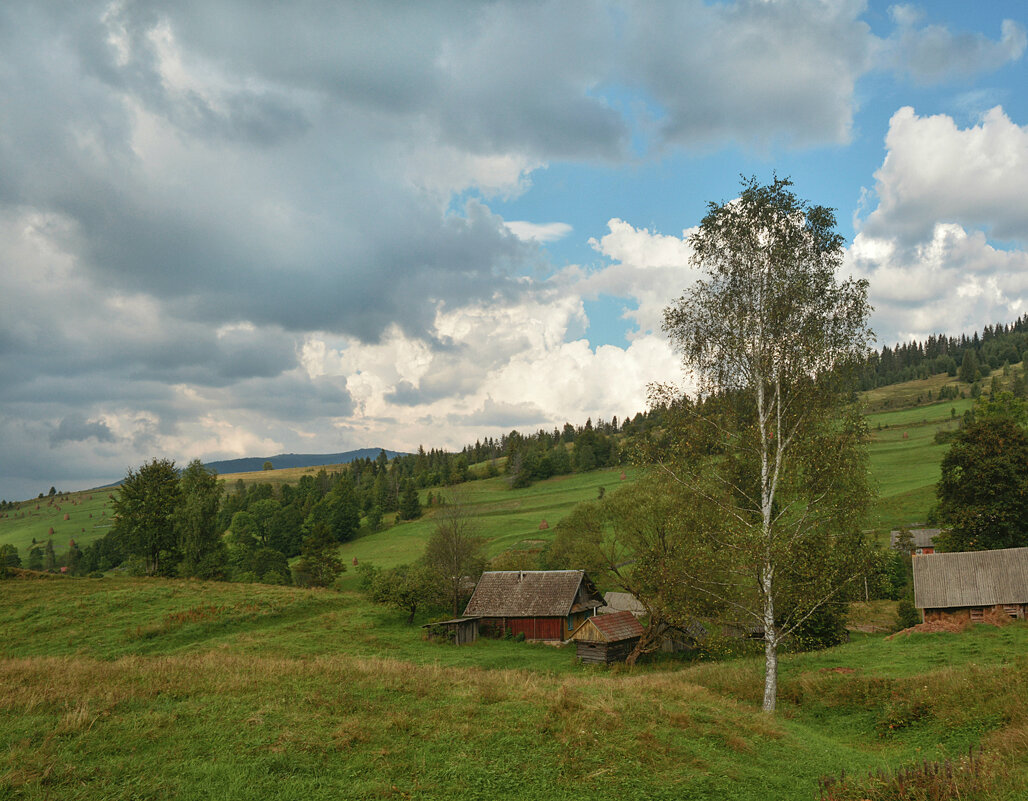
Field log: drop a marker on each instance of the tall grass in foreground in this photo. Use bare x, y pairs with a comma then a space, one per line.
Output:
969, 776
153, 689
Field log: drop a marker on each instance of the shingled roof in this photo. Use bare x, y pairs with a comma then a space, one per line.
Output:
612, 627
971, 578
531, 593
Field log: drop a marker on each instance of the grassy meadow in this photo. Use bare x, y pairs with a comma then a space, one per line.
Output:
88, 516
133, 688
508, 519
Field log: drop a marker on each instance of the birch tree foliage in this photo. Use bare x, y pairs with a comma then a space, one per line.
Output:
772, 440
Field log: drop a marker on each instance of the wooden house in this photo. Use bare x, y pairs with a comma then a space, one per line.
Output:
607, 638
922, 540
541, 604
972, 585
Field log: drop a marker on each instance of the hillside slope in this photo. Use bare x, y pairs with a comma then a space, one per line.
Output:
134, 688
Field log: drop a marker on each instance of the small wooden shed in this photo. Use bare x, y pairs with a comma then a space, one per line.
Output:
922, 540
972, 584
607, 638
459, 630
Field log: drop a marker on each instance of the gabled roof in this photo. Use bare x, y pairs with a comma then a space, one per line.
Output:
919, 537
971, 578
622, 602
614, 627
531, 593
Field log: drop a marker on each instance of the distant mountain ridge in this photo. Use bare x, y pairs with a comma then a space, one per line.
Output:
252, 463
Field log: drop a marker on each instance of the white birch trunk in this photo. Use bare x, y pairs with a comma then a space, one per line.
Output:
770, 645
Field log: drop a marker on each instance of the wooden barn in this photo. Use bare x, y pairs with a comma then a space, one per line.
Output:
607, 638
541, 604
972, 585
922, 540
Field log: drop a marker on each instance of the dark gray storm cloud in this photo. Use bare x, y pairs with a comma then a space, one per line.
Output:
75, 428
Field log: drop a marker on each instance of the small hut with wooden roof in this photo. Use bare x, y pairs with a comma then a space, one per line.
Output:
972, 584
541, 604
607, 638
922, 540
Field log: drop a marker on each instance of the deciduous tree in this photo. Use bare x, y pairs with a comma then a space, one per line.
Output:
144, 511
407, 587
199, 541
771, 442
454, 552
983, 491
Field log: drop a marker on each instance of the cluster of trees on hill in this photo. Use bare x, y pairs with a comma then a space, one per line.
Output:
960, 357
526, 457
186, 523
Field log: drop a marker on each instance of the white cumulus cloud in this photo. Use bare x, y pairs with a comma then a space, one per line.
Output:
944, 247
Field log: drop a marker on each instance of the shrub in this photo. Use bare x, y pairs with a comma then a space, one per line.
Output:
907, 614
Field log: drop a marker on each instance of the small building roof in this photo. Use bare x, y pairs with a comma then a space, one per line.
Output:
971, 578
532, 593
452, 622
622, 602
920, 537
615, 627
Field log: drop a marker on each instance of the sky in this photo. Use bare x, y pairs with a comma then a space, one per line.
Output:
237, 228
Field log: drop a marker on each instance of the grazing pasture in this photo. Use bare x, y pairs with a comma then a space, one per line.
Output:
134, 688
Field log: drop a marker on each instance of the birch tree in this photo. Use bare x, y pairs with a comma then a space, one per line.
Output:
771, 439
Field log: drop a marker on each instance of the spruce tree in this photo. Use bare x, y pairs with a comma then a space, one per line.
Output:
410, 506
968, 368
319, 563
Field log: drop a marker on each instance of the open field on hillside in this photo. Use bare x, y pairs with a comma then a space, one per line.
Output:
905, 460
133, 688
278, 477
88, 519
898, 396
508, 519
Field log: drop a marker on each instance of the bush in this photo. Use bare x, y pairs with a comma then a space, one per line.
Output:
96, 574
907, 614
823, 629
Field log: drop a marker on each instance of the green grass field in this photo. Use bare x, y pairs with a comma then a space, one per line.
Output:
508, 519
88, 519
122, 688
